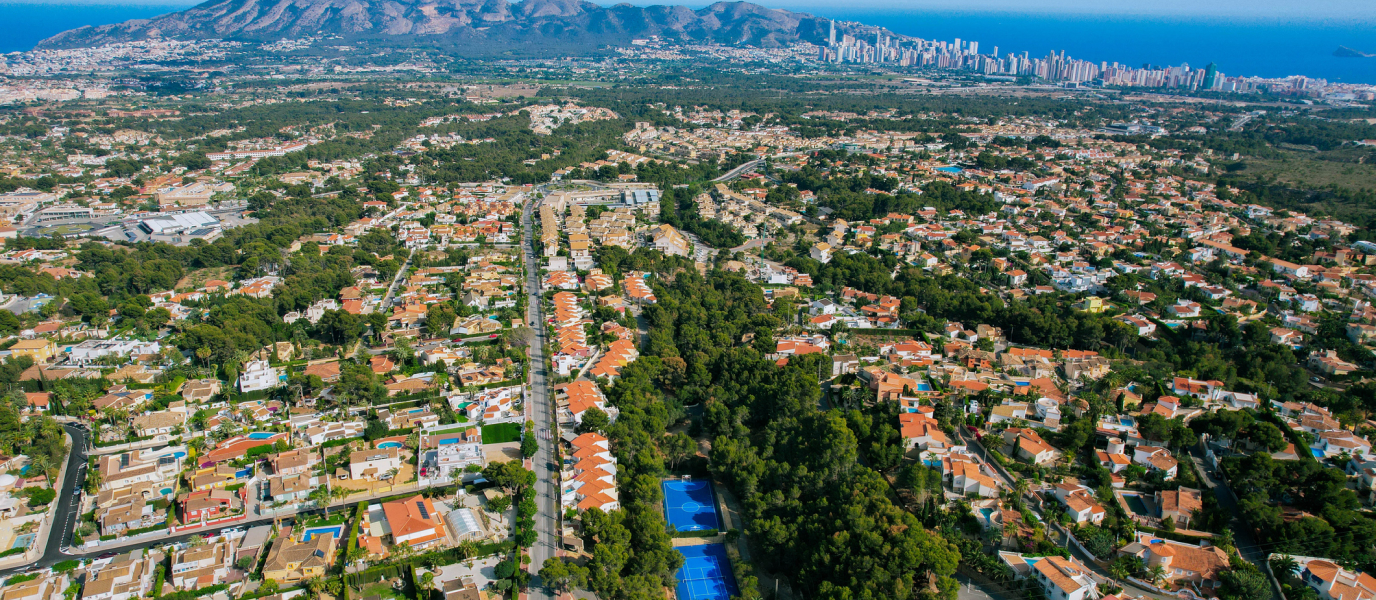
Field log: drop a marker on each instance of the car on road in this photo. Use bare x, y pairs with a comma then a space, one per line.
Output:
494, 336
105, 555
208, 534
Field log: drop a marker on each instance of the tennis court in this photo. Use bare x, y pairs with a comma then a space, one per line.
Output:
705, 574
690, 505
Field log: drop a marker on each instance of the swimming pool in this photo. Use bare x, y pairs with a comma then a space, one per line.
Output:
337, 530
23, 541
1316, 452
179, 454
260, 435
1136, 504
986, 513
950, 169
924, 387
386, 445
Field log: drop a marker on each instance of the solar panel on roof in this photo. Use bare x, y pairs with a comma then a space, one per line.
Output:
424, 513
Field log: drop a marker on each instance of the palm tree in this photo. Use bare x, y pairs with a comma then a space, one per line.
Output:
356, 554
1156, 574
40, 464
426, 583
313, 587
1284, 566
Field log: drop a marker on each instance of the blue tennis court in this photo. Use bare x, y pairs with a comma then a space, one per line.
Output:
690, 505
705, 574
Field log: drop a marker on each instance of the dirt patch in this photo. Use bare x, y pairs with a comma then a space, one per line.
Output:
197, 278
506, 452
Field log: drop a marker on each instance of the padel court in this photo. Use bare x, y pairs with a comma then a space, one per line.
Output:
705, 574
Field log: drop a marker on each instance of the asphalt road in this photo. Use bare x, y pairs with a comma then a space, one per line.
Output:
68, 507
546, 479
401, 274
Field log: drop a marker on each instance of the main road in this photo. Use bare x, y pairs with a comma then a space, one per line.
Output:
546, 475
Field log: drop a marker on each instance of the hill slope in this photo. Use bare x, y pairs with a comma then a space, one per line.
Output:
465, 26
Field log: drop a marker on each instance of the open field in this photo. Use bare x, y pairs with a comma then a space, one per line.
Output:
1296, 167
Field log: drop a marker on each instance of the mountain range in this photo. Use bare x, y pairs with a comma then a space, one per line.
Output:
466, 27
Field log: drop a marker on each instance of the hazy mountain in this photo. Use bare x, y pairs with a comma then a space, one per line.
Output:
1345, 52
463, 26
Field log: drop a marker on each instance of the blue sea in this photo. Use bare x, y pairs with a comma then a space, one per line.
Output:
23, 25
1263, 47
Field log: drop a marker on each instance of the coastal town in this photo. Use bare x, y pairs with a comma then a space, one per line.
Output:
420, 339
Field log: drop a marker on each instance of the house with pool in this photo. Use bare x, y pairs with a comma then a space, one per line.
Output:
1189, 565
1060, 578
413, 521
295, 556
154, 470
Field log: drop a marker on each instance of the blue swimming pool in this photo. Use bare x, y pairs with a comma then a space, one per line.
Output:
950, 169
260, 435
23, 541
337, 530
386, 445
924, 387
986, 513
179, 454
1316, 452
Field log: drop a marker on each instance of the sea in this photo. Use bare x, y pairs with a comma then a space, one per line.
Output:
1240, 47
1250, 47
23, 25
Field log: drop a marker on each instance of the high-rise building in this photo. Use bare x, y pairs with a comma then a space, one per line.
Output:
1210, 76
833, 33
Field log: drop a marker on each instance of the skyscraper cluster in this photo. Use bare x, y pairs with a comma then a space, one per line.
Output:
1055, 67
